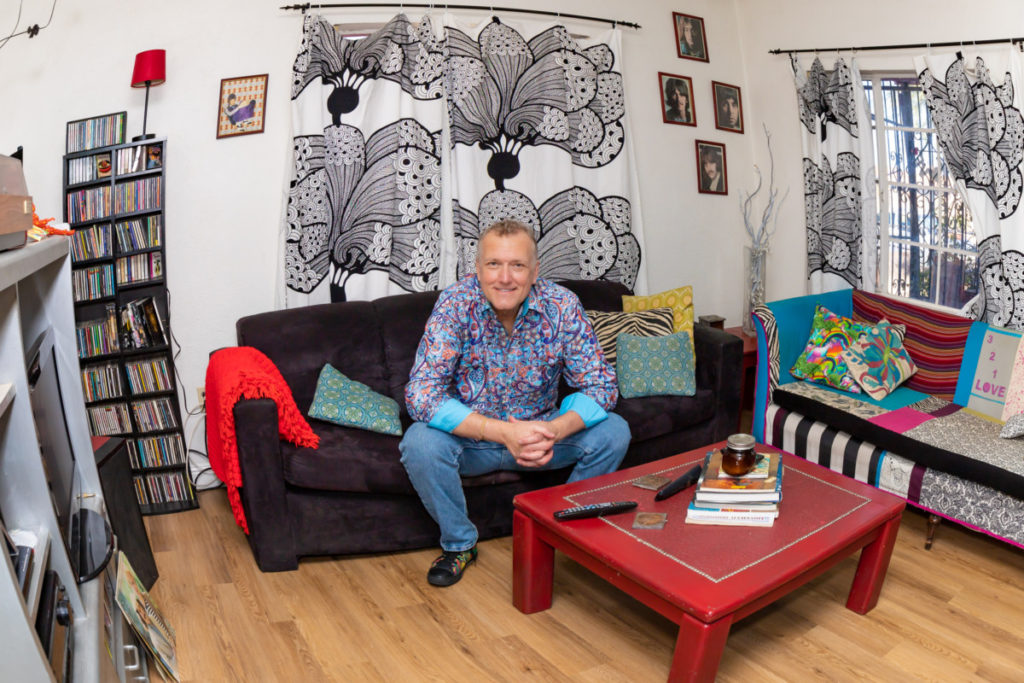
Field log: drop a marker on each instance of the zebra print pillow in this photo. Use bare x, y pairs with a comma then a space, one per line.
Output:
655, 322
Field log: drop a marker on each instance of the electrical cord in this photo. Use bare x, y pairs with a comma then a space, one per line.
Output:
195, 472
33, 30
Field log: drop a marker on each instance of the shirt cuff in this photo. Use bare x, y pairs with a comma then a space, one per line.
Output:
450, 415
584, 406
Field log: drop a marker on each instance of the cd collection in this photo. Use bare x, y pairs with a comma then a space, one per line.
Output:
99, 131
91, 243
163, 487
156, 451
101, 382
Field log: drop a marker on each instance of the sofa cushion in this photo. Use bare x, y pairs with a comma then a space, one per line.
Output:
931, 432
654, 416
343, 401
609, 324
402, 319
934, 339
822, 359
598, 295
656, 366
680, 300
878, 362
371, 464
300, 340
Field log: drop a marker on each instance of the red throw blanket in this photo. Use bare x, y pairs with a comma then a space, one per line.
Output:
233, 374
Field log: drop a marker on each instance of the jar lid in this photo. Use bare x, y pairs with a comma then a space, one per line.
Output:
740, 442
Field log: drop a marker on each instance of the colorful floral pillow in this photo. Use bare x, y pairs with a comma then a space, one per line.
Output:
680, 300
349, 403
878, 362
656, 366
822, 359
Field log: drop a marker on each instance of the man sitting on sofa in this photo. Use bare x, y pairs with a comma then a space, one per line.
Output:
483, 389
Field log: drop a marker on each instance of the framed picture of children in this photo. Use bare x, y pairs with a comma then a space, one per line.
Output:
691, 41
728, 107
711, 172
677, 99
241, 107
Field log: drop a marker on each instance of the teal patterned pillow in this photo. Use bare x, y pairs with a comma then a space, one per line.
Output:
346, 402
655, 366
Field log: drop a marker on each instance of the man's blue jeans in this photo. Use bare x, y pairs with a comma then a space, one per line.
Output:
435, 460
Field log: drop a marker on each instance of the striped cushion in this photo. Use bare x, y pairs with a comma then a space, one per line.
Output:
653, 323
935, 340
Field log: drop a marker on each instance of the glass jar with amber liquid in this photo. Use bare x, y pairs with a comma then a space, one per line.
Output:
738, 456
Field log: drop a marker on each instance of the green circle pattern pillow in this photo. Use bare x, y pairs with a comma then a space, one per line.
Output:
656, 366
349, 403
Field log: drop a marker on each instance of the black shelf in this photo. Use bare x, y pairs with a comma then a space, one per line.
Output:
141, 192
133, 252
165, 508
100, 401
155, 469
140, 283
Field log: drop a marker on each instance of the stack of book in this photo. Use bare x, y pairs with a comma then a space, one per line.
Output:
750, 500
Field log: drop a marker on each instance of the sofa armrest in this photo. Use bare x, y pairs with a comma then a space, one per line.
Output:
719, 357
263, 487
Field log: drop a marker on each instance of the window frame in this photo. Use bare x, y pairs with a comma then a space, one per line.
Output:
884, 186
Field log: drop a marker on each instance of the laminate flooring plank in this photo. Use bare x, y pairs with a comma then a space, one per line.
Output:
948, 614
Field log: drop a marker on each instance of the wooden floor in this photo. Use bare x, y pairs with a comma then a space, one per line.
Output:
954, 613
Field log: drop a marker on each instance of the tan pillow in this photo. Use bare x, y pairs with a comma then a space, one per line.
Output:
680, 300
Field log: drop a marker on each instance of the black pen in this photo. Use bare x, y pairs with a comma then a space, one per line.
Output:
688, 478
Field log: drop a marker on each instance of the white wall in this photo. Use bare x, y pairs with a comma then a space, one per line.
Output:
224, 197
828, 23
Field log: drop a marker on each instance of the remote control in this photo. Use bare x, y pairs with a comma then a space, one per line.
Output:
595, 510
687, 479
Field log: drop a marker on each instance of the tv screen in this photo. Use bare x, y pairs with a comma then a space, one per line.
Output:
54, 436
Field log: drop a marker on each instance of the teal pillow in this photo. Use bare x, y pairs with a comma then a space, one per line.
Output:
655, 366
346, 402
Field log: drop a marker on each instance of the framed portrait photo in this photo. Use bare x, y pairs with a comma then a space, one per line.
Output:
712, 177
728, 107
691, 41
677, 99
241, 108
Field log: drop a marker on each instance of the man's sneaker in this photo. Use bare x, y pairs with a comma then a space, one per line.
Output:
448, 568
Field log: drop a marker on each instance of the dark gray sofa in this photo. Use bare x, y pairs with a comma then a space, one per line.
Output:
352, 495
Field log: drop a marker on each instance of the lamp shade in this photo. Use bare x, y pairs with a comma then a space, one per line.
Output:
149, 68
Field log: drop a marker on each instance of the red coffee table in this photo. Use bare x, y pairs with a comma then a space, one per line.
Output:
704, 578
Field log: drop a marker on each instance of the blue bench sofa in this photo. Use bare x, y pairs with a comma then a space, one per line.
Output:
934, 441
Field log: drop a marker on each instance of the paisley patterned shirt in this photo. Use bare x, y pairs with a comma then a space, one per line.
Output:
467, 362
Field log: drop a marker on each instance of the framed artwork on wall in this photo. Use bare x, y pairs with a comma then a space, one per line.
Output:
241, 107
677, 99
691, 41
712, 177
728, 107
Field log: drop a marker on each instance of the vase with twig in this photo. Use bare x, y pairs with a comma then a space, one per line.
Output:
755, 256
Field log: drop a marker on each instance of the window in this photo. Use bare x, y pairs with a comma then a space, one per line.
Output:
928, 248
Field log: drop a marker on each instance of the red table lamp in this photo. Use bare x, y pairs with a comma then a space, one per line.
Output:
149, 70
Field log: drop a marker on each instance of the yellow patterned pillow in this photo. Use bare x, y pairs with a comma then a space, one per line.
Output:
680, 300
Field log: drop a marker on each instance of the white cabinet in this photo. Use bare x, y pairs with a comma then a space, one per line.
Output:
35, 296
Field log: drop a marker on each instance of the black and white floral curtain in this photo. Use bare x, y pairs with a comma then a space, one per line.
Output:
839, 177
410, 141
981, 133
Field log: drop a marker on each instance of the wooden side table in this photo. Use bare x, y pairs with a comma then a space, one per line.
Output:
749, 365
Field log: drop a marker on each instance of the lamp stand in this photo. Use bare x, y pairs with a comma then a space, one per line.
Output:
145, 115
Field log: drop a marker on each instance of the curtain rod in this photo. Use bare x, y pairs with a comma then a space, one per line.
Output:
907, 46
490, 8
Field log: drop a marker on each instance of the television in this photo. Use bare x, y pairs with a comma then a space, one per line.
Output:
86, 534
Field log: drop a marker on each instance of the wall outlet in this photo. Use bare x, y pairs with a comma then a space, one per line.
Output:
201, 395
